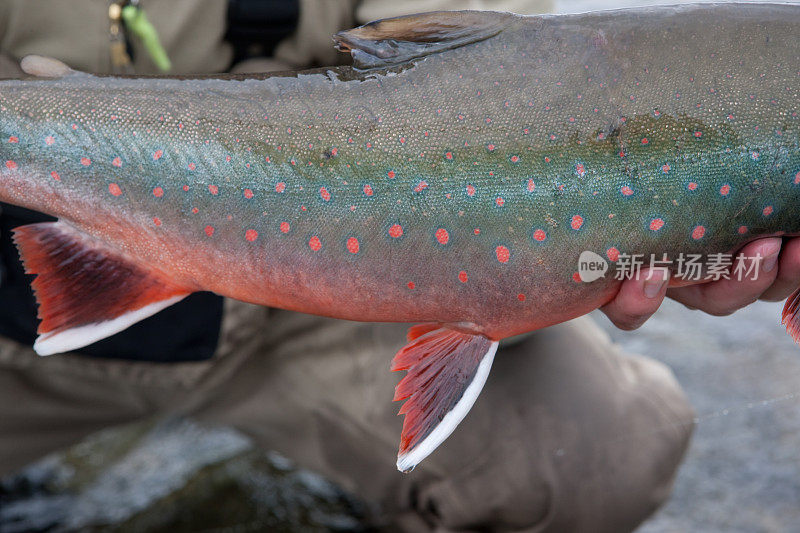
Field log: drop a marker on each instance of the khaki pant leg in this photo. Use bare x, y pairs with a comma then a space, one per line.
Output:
48, 403
568, 435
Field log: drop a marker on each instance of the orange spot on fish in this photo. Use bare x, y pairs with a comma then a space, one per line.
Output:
114, 189
396, 231
213, 189
656, 224
280, 186
462, 277
767, 211
626, 191
85, 161
612, 253
156, 221
576, 222
698, 232
692, 186
13, 139
251, 235
471, 190
390, 174
411, 285
797, 179
515, 159
285, 227
314, 243
503, 254
248, 193
117, 162
368, 190
742, 230
55, 176
421, 186
449, 155
576, 277
645, 141
665, 168
158, 192
11, 165
539, 235
531, 185
324, 194
521, 297
442, 236
49, 140
352, 245
192, 166
725, 190
157, 155
185, 188
209, 230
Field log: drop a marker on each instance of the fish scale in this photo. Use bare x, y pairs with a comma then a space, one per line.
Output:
454, 182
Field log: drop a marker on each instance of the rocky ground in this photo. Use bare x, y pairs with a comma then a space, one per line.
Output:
742, 374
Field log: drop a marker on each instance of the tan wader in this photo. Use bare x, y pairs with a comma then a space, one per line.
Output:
568, 435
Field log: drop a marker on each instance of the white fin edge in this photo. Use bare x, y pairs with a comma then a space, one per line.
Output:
407, 461
74, 338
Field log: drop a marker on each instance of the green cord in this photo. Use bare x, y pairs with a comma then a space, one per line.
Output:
137, 23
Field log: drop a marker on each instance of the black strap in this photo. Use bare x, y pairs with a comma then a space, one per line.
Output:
255, 27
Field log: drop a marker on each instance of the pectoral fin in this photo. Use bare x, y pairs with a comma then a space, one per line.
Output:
87, 291
791, 316
446, 371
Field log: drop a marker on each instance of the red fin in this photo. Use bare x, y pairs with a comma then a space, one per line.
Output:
790, 317
446, 372
85, 291
419, 330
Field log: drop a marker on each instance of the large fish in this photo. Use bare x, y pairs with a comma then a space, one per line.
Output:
451, 178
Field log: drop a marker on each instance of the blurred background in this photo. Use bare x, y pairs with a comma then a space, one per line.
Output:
741, 373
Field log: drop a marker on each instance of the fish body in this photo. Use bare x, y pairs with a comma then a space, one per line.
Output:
452, 177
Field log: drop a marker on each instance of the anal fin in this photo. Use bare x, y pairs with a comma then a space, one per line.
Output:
87, 291
446, 372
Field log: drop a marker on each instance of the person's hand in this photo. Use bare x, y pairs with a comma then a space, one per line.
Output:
778, 276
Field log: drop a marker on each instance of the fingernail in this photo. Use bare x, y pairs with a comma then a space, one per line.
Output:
769, 254
656, 280
770, 261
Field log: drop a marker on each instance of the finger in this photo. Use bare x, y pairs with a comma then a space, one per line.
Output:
788, 278
724, 296
638, 299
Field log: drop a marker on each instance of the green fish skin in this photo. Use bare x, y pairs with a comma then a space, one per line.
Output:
452, 177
